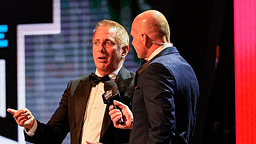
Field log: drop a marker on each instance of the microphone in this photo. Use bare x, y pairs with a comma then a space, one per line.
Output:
111, 94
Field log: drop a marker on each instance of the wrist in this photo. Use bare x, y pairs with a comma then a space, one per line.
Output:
32, 130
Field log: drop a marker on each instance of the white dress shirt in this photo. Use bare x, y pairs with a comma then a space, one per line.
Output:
95, 111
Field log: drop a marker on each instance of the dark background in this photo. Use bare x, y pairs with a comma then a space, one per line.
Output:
13, 13
203, 32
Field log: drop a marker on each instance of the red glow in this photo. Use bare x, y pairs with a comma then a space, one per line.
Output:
245, 70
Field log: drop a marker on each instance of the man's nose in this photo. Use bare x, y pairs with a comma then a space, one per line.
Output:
102, 48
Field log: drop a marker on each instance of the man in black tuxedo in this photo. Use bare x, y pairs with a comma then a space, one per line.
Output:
81, 110
164, 103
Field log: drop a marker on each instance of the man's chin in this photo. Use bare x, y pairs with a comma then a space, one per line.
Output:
103, 69
102, 66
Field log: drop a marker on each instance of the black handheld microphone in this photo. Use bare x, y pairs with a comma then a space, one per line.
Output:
111, 94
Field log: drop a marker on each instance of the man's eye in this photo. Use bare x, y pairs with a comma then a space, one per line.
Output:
109, 43
96, 43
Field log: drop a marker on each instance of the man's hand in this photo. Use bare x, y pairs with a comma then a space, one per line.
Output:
115, 115
23, 117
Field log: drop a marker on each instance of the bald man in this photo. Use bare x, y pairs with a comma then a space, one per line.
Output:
166, 90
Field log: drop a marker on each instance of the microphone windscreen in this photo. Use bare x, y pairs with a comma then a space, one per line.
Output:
109, 84
111, 90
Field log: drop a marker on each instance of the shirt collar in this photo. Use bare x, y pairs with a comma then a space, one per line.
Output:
112, 75
158, 50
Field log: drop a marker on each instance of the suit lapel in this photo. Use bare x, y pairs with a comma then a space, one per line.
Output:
81, 97
122, 80
166, 51
106, 122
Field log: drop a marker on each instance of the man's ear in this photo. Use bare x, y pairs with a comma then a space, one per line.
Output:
146, 40
125, 50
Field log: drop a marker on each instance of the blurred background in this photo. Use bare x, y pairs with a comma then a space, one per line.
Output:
202, 31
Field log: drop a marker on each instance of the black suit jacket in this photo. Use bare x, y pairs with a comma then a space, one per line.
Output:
69, 116
164, 100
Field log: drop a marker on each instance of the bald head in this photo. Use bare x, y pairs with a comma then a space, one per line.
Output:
154, 24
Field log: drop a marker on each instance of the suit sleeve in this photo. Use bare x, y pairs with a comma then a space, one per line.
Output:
57, 128
158, 93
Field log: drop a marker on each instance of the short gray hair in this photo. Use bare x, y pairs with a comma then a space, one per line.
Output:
122, 35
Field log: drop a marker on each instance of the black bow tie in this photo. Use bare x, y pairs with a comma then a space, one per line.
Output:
95, 79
